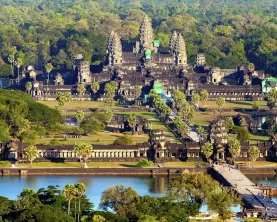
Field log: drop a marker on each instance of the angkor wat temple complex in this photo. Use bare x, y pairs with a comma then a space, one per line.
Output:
147, 64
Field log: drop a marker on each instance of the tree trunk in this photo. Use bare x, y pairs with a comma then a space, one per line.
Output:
47, 84
81, 163
68, 210
18, 76
30, 164
79, 209
75, 210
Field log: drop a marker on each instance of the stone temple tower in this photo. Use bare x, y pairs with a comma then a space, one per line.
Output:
146, 35
172, 42
180, 51
114, 49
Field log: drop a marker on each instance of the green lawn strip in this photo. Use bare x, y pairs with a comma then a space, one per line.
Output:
103, 138
77, 165
79, 104
235, 104
182, 164
258, 164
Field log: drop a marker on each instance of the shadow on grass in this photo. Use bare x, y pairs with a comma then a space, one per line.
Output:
240, 103
127, 165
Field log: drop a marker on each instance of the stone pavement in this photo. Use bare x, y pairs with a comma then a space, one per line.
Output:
250, 193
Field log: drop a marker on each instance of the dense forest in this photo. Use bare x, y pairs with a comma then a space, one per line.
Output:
229, 32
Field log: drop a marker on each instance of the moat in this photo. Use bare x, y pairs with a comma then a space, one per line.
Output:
11, 186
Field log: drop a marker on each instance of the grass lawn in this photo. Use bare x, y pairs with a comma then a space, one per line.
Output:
77, 165
182, 164
235, 104
258, 164
79, 104
103, 138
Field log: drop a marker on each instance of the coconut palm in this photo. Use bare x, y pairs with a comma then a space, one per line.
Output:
18, 64
81, 190
48, 67
79, 115
251, 67
207, 150
28, 86
69, 192
95, 87
81, 89
234, 148
11, 60
220, 102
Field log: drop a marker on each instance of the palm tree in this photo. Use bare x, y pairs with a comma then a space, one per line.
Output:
132, 121
79, 115
87, 151
48, 67
81, 189
18, 63
11, 60
207, 150
95, 87
220, 102
69, 192
81, 89
28, 86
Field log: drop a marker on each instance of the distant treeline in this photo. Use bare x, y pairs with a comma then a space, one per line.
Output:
229, 32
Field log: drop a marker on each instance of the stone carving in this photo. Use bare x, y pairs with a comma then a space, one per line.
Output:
200, 59
172, 42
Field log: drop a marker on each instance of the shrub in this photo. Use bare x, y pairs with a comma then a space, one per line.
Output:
144, 163
92, 125
123, 140
54, 142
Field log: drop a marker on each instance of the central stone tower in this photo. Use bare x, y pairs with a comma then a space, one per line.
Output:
146, 35
114, 49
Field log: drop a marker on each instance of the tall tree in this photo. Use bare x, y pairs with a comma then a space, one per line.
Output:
207, 150
221, 201
220, 102
253, 154
80, 192
28, 86
31, 154
18, 64
234, 148
69, 192
132, 121
48, 67
81, 89
95, 87
120, 199
137, 91
204, 96
79, 115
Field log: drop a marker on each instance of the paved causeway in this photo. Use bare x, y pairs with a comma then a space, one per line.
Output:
250, 193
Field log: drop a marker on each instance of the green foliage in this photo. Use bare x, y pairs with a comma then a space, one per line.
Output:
234, 148
242, 133
229, 122
31, 153
253, 153
5, 70
207, 149
54, 142
79, 115
123, 140
144, 163
120, 199
83, 151
98, 218
92, 125
221, 201
220, 102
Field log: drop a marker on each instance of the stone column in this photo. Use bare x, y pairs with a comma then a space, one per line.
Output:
107, 154
145, 153
131, 154
100, 154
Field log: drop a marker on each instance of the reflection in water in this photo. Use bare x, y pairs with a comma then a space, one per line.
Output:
11, 186
158, 184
